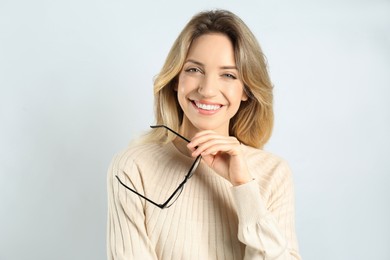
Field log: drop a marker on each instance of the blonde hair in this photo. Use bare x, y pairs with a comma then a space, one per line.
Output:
253, 123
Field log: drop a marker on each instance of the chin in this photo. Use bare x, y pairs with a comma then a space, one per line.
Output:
201, 126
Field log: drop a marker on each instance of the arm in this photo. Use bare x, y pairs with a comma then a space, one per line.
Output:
267, 230
126, 234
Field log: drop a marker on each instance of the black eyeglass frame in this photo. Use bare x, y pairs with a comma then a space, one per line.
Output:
193, 168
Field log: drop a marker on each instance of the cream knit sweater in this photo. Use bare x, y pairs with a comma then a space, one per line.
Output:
210, 220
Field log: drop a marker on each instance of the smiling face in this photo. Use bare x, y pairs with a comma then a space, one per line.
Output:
209, 89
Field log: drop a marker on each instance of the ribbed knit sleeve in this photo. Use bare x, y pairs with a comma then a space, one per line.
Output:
126, 232
267, 230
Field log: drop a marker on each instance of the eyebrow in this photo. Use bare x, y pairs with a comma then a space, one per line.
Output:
202, 65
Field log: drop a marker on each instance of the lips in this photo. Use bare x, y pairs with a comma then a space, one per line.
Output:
207, 106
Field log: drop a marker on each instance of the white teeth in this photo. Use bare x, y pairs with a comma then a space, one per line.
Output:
206, 106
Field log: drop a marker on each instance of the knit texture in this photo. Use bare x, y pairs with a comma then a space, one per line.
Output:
210, 220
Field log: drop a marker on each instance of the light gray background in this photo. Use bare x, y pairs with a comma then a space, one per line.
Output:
76, 86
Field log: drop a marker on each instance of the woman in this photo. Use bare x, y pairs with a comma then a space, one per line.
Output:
208, 191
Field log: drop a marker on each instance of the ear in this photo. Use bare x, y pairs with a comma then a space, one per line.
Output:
244, 96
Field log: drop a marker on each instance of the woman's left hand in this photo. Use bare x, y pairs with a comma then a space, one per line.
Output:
223, 154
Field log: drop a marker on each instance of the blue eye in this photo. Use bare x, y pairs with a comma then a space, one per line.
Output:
228, 75
193, 70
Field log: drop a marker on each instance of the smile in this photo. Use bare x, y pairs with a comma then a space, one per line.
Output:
208, 107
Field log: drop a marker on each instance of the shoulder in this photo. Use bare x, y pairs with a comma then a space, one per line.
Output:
137, 154
256, 155
266, 164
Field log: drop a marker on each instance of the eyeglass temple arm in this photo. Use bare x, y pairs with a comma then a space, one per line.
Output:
179, 135
174, 193
161, 206
182, 183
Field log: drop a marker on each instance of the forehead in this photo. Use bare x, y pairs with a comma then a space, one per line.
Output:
212, 48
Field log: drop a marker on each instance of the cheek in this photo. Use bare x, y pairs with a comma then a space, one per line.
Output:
181, 90
180, 86
185, 85
235, 94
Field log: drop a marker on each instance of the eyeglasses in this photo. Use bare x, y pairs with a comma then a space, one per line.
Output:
175, 195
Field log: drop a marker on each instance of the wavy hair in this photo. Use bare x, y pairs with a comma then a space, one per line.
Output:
252, 125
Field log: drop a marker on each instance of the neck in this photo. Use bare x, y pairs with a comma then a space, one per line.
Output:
189, 130
181, 145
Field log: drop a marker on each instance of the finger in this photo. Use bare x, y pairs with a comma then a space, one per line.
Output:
204, 132
202, 137
205, 142
231, 149
217, 145
208, 159
206, 137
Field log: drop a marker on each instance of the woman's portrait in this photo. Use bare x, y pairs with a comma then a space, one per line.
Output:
194, 130
214, 94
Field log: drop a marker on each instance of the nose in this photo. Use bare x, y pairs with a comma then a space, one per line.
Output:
208, 86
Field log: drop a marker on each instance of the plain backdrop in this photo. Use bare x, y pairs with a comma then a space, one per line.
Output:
76, 86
